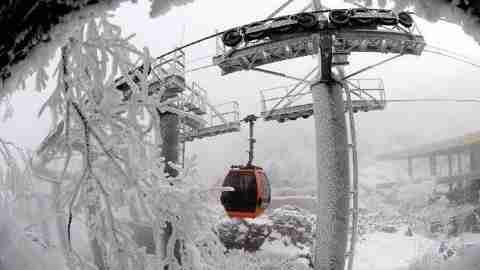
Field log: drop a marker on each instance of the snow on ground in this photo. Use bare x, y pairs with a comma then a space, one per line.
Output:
387, 251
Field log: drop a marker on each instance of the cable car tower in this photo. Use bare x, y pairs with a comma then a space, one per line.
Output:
333, 35
189, 114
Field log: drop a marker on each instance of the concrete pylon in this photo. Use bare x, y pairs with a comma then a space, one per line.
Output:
333, 183
169, 129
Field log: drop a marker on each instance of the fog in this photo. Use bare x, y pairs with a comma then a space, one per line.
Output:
400, 125
286, 150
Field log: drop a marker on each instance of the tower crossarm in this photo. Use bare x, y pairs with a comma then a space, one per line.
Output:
254, 53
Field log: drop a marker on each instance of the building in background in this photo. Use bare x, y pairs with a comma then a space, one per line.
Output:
453, 165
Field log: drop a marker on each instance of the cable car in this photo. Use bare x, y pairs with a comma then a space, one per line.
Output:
251, 194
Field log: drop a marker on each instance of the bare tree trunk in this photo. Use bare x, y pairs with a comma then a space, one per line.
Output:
42, 202
92, 208
60, 220
332, 176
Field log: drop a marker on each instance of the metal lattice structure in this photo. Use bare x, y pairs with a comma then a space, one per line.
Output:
393, 39
225, 119
198, 118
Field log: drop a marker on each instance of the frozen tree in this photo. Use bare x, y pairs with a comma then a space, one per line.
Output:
103, 159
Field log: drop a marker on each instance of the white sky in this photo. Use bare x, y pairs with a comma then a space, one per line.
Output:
408, 77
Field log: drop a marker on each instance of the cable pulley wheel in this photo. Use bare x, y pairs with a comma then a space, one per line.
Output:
307, 20
339, 17
405, 19
232, 38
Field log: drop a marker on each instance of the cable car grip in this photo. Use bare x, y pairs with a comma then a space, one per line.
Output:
250, 119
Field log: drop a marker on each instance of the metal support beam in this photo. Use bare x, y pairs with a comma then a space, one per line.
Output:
459, 163
281, 75
450, 165
333, 183
410, 167
433, 165
474, 157
354, 174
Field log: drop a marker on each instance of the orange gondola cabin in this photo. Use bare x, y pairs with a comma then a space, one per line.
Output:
251, 188
251, 195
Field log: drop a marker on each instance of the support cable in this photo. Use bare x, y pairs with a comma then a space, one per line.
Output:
371, 66
357, 88
447, 51
433, 100
290, 92
200, 68
453, 57
190, 44
280, 74
306, 8
278, 10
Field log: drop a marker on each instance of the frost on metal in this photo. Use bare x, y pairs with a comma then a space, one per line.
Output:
465, 13
332, 177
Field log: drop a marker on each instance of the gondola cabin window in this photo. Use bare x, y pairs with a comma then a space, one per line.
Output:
244, 196
264, 188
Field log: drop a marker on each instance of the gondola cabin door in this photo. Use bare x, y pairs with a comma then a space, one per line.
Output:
251, 195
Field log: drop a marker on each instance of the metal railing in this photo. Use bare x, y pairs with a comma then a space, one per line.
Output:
270, 97
368, 91
196, 100
372, 90
230, 111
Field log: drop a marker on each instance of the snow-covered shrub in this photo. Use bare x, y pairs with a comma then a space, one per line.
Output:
242, 234
282, 239
294, 226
